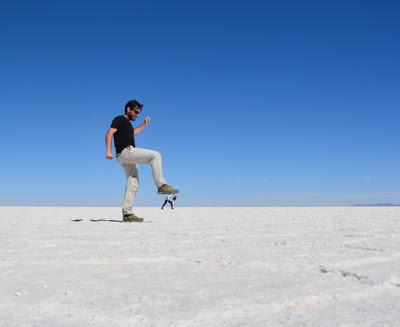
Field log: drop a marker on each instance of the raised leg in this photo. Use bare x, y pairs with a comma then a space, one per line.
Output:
133, 155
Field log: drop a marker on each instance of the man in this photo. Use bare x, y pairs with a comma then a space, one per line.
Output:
130, 157
169, 199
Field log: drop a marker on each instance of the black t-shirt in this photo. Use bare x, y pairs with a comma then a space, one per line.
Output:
124, 134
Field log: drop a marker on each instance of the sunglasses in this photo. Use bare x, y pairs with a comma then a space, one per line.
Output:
136, 111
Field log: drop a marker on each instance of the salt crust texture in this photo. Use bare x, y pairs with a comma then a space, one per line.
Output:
315, 266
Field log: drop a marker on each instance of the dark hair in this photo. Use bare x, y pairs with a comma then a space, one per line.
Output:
133, 104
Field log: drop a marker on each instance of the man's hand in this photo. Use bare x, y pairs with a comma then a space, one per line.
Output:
109, 155
140, 128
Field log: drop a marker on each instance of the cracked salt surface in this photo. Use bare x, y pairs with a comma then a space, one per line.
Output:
200, 267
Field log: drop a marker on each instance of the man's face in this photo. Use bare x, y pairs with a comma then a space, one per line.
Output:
133, 113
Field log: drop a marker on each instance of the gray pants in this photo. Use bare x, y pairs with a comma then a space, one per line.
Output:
130, 158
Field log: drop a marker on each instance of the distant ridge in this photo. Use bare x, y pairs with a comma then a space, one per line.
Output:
384, 204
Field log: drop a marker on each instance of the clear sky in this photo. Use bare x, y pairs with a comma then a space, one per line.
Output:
252, 103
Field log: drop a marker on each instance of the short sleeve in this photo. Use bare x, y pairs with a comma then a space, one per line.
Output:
116, 123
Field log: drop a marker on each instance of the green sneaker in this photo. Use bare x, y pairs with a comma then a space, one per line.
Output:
132, 218
166, 189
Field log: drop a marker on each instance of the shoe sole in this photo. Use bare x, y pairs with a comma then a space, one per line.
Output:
168, 193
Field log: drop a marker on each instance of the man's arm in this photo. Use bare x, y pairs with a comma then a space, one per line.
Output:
137, 130
109, 136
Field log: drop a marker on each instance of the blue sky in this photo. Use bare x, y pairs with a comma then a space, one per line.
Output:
252, 103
